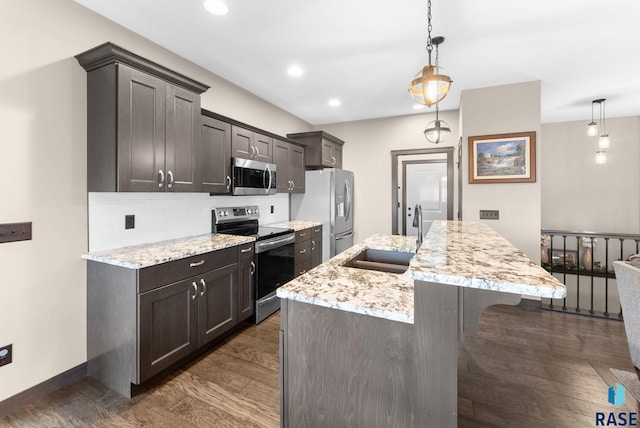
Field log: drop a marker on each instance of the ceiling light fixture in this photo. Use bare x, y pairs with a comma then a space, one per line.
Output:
437, 130
295, 71
601, 157
592, 127
334, 102
603, 141
216, 7
430, 85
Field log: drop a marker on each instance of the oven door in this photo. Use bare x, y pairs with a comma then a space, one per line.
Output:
253, 177
274, 264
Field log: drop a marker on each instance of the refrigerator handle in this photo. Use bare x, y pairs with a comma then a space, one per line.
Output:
338, 238
349, 199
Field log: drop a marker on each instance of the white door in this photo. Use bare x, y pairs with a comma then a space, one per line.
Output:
425, 184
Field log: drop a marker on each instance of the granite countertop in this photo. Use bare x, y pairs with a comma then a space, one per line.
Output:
296, 225
140, 256
471, 254
380, 294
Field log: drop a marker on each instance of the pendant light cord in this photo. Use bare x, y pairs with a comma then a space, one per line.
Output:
429, 28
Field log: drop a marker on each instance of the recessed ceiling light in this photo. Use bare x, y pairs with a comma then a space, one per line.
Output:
418, 106
295, 71
216, 7
334, 102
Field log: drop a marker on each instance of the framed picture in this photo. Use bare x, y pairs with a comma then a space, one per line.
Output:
560, 256
503, 158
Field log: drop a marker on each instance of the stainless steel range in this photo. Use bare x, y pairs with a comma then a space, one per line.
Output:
274, 250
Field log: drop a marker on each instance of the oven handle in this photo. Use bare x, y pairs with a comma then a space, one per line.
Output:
262, 302
261, 247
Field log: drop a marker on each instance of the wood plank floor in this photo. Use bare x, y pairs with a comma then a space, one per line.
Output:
524, 367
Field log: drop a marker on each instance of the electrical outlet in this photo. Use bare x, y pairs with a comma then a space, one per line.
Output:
12, 232
272, 209
5, 355
129, 221
489, 215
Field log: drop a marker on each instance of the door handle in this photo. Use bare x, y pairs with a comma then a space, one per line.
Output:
253, 152
204, 287
228, 182
257, 151
170, 180
253, 268
160, 178
195, 291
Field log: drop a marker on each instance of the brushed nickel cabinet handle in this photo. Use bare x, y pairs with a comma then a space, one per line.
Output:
170, 179
204, 287
200, 263
253, 152
245, 250
304, 250
160, 178
253, 268
257, 151
228, 182
313, 245
302, 234
195, 291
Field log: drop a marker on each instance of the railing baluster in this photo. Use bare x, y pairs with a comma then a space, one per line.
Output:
578, 276
591, 310
551, 262
606, 277
564, 268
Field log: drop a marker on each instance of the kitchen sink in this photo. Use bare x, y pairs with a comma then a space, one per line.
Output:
381, 260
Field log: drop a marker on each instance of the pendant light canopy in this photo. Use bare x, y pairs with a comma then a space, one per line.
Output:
431, 84
437, 130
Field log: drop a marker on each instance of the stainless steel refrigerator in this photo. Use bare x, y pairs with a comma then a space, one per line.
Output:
328, 198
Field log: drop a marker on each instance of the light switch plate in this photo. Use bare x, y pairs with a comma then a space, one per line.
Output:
489, 215
12, 232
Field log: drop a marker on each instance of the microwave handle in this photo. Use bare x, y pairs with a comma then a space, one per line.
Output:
267, 172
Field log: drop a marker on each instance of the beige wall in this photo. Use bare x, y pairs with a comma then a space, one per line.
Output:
500, 110
43, 174
367, 152
579, 195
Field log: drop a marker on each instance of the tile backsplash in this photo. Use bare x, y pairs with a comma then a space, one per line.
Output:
162, 216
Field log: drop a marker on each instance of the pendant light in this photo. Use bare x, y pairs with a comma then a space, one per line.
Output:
437, 130
603, 141
601, 157
592, 128
430, 85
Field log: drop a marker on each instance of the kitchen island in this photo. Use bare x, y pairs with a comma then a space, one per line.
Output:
364, 348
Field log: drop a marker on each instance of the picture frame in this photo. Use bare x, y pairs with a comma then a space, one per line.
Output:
503, 158
559, 256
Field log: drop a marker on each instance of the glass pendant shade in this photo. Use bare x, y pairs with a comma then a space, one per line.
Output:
601, 157
592, 129
437, 131
603, 141
430, 85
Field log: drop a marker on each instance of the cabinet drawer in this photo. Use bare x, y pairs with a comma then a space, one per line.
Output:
316, 233
245, 251
302, 250
165, 273
303, 235
302, 267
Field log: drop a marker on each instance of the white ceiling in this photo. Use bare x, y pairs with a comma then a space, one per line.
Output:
365, 52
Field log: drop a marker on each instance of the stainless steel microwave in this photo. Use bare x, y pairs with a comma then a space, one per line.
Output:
253, 177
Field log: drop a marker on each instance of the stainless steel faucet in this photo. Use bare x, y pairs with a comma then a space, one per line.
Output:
417, 222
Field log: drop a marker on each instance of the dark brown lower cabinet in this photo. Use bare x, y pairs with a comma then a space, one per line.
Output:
136, 329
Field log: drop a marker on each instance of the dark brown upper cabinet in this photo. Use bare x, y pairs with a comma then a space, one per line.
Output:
144, 124
247, 144
322, 150
289, 160
216, 155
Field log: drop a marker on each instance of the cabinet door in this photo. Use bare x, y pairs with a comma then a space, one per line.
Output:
217, 302
263, 148
167, 324
327, 153
316, 246
183, 146
242, 143
281, 159
216, 156
246, 298
141, 131
337, 155
296, 168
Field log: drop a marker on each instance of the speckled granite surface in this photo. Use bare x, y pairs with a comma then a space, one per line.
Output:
380, 294
140, 256
296, 224
471, 254
465, 254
